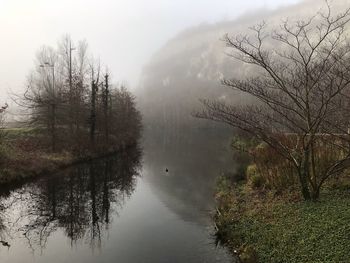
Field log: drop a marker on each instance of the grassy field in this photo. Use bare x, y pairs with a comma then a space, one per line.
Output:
25, 153
22, 158
265, 227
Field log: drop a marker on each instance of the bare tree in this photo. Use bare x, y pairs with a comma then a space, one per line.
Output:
106, 109
68, 100
301, 87
2, 120
75, 74
95, 83
43, 99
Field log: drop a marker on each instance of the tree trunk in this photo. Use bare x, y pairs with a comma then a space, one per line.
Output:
93, 112
53, 128
304, 185
105, 108
315, 193
304, 174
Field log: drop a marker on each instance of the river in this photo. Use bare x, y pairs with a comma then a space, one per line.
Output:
149, 203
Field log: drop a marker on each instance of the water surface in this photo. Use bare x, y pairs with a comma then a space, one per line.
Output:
124, 208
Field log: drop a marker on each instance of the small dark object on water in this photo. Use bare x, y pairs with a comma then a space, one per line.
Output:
166, 170
5, 244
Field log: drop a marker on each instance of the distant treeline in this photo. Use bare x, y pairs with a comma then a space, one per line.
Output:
73, 103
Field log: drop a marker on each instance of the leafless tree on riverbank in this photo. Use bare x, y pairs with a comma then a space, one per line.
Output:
302, 91
71, 103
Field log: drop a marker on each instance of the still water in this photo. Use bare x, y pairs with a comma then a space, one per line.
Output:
124, 208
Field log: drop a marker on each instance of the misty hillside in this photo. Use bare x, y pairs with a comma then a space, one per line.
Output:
189, 67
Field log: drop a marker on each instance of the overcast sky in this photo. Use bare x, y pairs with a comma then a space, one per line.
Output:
123, 33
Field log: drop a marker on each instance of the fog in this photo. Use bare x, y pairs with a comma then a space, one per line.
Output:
190, 66
124, 34
157, 194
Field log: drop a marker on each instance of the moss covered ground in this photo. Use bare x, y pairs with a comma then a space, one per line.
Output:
284, 228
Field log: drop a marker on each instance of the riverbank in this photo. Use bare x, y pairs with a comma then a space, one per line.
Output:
22, 158
263, 226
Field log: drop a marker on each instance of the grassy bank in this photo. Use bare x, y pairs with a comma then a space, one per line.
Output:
23, 156
262, 226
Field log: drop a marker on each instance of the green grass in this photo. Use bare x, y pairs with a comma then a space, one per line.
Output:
21, 158
16, 133
284, 231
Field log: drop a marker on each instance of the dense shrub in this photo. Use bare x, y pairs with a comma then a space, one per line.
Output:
265, 167
275, 172
254, 178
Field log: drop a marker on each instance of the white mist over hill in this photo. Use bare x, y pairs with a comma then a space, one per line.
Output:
189, 67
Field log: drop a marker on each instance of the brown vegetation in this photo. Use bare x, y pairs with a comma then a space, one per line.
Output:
301, 92
70, 114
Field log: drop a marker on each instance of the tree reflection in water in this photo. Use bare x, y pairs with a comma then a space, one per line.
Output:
78, 200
